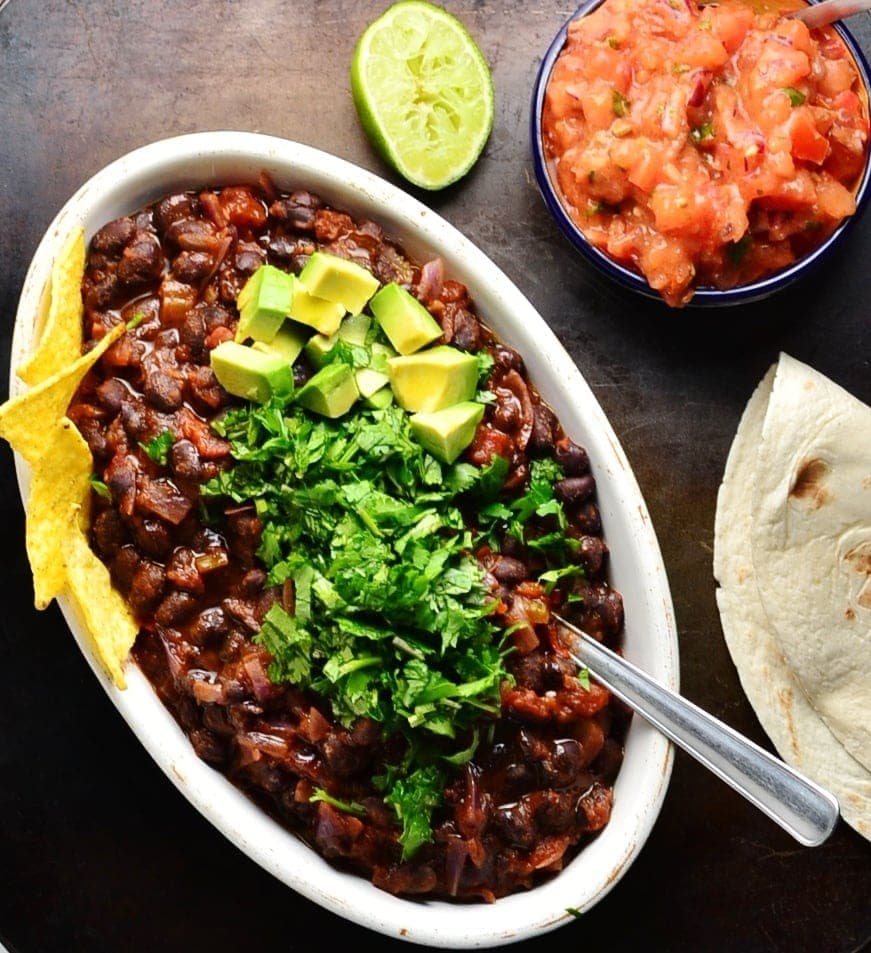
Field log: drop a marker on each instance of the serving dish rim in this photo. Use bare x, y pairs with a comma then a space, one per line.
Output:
208, 158
627, 278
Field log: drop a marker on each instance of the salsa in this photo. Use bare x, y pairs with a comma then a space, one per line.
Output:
704, 145
190, 513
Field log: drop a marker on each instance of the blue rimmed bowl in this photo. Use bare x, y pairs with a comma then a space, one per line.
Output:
631, 280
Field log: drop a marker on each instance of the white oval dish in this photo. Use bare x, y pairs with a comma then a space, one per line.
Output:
224, 158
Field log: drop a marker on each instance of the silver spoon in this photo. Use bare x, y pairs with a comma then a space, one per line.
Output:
821, 14
799, 806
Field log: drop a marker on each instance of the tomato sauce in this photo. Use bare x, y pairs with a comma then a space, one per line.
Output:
704, 146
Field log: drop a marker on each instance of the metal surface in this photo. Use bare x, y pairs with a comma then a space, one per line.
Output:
99, 851
803, 809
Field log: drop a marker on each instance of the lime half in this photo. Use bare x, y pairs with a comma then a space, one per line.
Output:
424, 93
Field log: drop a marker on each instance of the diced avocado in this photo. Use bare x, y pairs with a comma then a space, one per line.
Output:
318, 313
447, 432
380, 354
433, 378
354, 328
331, 392
380, 399
369, 380
264, 302
288, 342
318, 347
337, 279
251, 374
405, 321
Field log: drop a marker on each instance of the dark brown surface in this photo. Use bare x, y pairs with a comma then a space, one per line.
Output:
98, 850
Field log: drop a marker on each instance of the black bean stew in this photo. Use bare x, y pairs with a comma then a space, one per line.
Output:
540, 784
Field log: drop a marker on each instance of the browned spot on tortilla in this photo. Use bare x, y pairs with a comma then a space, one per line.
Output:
860, 562
851, 616
784, 696
809, 483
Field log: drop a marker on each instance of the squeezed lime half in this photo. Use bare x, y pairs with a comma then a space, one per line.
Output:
423, 92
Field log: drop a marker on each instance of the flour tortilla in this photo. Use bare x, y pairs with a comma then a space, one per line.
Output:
775, 690
812, 544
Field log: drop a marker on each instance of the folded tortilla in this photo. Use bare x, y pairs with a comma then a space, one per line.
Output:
784, 586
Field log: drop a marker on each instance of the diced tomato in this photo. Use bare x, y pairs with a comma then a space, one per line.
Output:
807, 143
242, 208
730, 23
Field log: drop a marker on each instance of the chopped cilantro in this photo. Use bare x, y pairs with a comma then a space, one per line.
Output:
613, 42
703, 133
736, 251
391, 610
99, 487
158, 448
347, 807
620, 104
796, 96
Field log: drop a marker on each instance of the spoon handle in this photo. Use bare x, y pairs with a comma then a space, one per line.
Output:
799, 806
821, 14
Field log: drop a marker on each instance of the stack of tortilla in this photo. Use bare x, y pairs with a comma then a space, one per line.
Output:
792, 556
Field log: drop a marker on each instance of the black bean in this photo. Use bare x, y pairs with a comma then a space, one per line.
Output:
175, 607
173, 208
141, 260
209, 624
509, 570
192, 266
162, 391
592, 553
146, 586
571, 457
543, 425
108, 533
184, 460
587, 520
111, 393
111, 238
575, 489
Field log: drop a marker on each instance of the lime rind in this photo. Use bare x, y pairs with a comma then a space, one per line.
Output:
423, 92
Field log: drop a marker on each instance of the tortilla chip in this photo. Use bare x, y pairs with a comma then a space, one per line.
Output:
800, 734
61, 333
25, 418
108, 620
59, 489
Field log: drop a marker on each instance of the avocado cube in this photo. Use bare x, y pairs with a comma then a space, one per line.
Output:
434, 378
405, 321
288, 342
331, 392
339, 280
251, 374
264, 302
318, 347
447, 432
369, 380
380, 399
354, 329
318, 313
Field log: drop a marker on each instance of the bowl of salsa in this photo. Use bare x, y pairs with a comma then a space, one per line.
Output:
702, 154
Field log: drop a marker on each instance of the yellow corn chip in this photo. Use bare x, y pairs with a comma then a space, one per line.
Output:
24, 419
107, 618
59, 490
61, 333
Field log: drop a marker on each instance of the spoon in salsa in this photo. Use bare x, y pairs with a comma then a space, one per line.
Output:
801, 807
821, 14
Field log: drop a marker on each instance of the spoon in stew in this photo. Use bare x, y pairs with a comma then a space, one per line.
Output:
801, 807
821, 14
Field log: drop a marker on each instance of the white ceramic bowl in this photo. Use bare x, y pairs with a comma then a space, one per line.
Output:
215, 158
